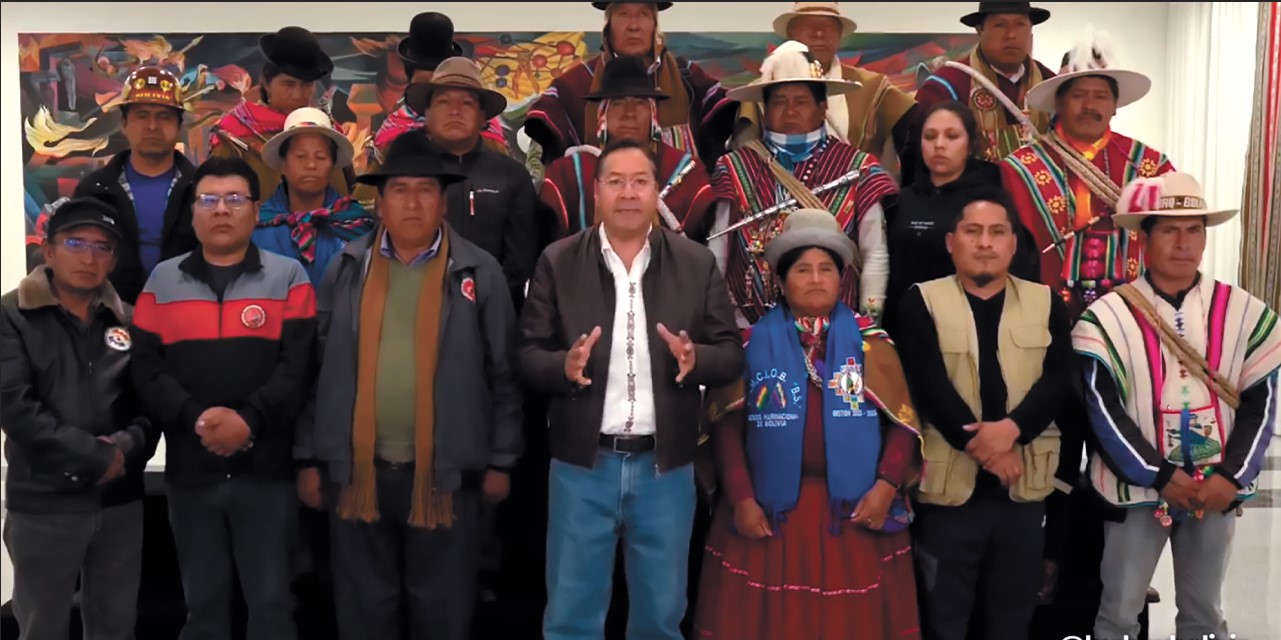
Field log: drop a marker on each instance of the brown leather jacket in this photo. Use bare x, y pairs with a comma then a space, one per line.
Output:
573, 291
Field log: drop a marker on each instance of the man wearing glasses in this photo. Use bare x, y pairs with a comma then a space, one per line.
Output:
76, 444
222, 344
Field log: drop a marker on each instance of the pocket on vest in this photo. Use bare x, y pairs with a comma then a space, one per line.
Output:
1033, 338
938, 463
954, 346
1040, 461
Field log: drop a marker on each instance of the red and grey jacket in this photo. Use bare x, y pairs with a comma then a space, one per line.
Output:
248, 349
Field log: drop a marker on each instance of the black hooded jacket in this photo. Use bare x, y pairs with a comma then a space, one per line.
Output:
917, 224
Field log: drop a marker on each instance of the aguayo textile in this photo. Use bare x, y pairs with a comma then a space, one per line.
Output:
1054, 202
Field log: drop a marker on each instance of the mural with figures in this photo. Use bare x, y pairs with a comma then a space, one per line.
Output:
70, 83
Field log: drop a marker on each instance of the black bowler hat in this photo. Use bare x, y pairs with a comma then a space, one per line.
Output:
411, 155
431, 41
296, 52
80, 212
661, 6
1036, 14
626, 77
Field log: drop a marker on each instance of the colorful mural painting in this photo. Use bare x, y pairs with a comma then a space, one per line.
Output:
71, 82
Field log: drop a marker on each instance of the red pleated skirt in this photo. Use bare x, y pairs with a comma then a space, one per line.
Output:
805, 583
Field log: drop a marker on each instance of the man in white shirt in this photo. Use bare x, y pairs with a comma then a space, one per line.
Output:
622, 325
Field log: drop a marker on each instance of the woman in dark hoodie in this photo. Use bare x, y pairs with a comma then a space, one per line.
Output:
949, 166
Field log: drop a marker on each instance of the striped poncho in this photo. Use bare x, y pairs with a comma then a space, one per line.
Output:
1152, 415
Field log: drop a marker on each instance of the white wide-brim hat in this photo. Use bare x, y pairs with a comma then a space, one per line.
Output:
308, 120
825, 9
790, 62
810, 228
1169, 195
1092, 56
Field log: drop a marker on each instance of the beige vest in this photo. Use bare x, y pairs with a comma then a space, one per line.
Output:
1022, 340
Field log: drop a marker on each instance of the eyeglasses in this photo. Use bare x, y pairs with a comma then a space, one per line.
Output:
638, 184
210, 201
80, 245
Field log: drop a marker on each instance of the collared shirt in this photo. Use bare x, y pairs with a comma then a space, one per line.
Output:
1014, 77
629, 390
418, 260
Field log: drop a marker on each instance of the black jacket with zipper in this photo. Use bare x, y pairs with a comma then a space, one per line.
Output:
178, 236
247, 348
495, 209
64, 384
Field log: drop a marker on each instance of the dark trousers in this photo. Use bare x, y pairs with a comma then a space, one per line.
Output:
49, 551
243, 524
988, 549
394, 581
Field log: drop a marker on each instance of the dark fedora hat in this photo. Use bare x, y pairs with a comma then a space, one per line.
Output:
1036, 14
661, 6
431, 41
296, 52
625, 77
411, 155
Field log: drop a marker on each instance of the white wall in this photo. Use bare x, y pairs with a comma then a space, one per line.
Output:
1138, 28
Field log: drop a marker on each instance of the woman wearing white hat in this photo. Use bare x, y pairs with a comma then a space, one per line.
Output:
306, 218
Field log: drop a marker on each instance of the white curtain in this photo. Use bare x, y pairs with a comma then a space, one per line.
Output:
1210, 50
1211, 57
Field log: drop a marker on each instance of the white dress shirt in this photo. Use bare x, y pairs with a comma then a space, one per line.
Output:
629, 390
1016, 76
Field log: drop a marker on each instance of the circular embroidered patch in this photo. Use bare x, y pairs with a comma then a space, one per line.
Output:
118, 338
984, 100
253, 316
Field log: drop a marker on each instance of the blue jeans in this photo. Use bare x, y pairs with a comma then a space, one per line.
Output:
623, 496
